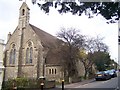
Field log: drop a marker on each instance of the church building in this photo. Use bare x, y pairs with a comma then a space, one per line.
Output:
31, 52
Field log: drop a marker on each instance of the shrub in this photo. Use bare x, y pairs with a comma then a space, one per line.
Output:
19, 83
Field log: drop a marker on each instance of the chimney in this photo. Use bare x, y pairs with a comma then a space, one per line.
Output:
9, 35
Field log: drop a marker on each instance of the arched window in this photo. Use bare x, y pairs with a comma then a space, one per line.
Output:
12, 55
23, 12
29, 53
10, 61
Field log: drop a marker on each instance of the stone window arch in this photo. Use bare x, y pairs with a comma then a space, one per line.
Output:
29, 53
12, 58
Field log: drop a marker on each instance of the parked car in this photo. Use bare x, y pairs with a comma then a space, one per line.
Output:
112, 73
103, 75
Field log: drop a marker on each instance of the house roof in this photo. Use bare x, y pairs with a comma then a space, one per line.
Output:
47, 40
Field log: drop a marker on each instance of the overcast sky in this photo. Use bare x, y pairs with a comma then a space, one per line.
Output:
9, 14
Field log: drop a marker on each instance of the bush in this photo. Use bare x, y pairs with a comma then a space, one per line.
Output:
25, 83
19, 83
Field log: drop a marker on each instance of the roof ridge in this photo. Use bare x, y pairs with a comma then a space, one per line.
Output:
46, 38
42, 30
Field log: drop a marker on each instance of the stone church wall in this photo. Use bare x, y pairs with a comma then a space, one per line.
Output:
54, 73
11, 72
28, 70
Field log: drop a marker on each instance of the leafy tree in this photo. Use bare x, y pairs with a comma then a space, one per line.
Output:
98, 53
102, 60
113, 64
87, 57
109, 10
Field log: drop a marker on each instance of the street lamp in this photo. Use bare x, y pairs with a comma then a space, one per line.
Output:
113, 66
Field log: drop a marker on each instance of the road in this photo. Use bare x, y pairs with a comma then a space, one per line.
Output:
111, 84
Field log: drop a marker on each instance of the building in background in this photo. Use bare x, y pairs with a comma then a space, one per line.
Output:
1, 61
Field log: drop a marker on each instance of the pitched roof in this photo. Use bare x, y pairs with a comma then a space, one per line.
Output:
54, 57
47, 40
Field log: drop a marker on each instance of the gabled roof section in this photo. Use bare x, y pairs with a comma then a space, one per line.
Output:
47, 39
24, 5
54, 57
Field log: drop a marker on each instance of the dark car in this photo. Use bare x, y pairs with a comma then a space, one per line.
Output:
112, 73
103, 75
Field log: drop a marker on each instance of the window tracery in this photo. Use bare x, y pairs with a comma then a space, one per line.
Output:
29, 53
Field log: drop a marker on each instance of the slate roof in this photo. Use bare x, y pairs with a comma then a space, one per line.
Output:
53, 56
47, 39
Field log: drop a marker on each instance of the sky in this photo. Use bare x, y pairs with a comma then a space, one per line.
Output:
97, 26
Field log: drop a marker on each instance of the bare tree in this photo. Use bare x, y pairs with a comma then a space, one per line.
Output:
91, 45
100, 45
69, 50
85, 55
78, 47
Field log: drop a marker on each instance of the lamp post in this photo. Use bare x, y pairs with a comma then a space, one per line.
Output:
113, 66
41, 84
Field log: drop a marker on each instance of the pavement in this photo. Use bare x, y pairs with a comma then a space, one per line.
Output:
76, 84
